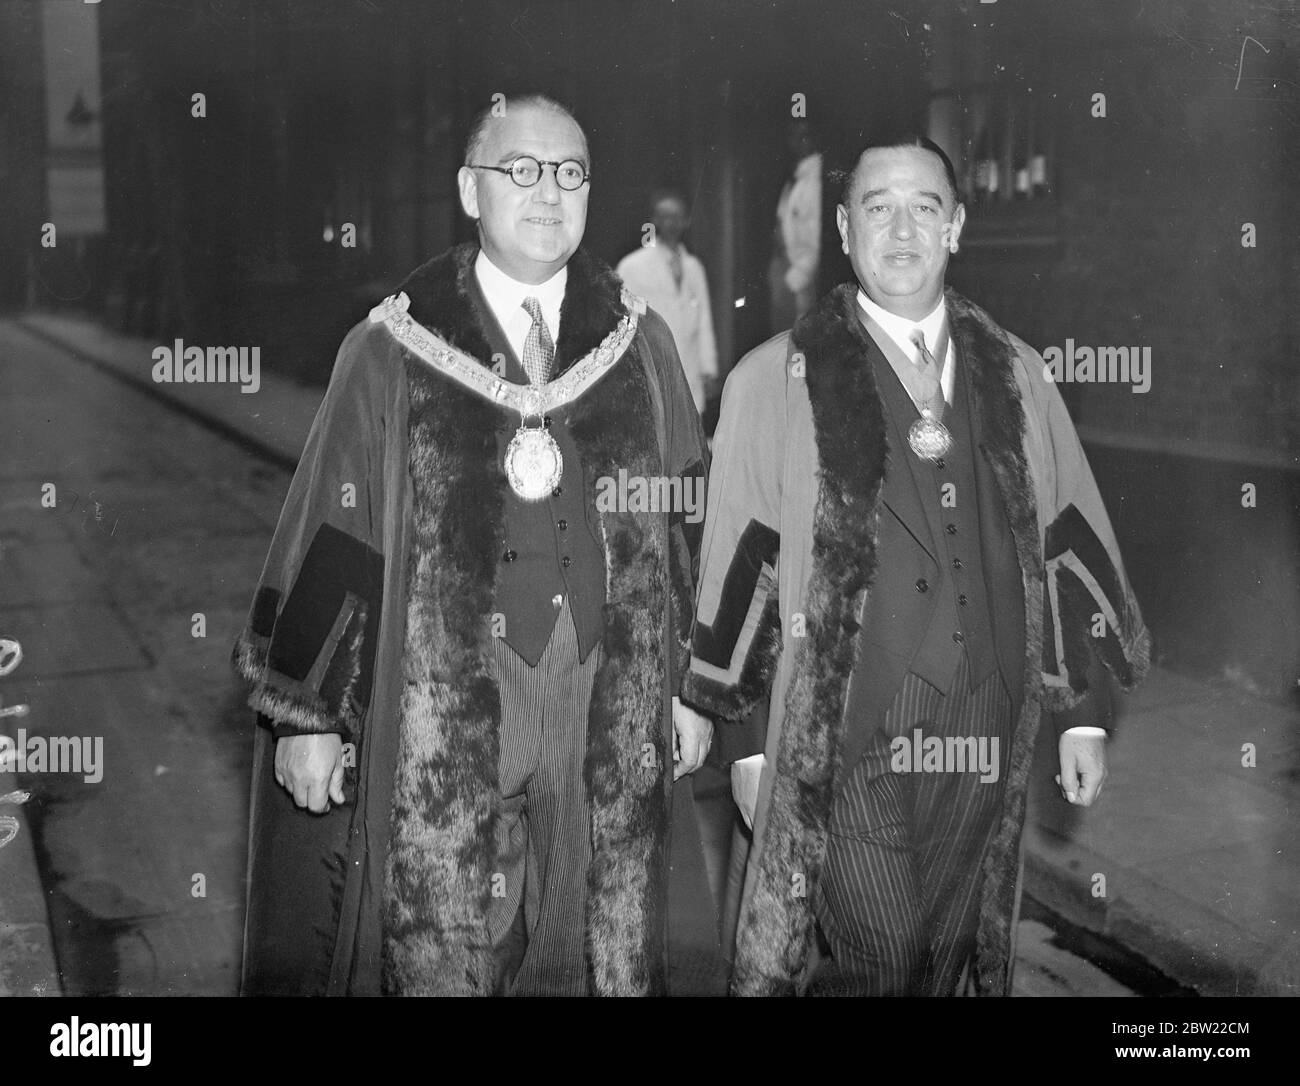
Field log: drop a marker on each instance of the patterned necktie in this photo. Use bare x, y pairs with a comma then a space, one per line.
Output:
539, 348
931, 386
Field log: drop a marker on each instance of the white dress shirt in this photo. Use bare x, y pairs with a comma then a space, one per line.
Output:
505, 297
685, 308
900, 330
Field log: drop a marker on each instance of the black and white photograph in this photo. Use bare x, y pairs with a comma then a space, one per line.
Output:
650, 498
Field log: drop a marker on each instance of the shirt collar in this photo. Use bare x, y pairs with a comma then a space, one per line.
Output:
666, 253
900, 329
505, 294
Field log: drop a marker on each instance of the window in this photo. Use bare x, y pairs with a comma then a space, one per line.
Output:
993, 109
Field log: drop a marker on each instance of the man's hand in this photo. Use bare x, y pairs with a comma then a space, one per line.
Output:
692, 737
1083, 767
310, 768
745, 775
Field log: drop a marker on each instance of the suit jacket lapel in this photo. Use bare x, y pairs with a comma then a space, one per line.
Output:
901, 494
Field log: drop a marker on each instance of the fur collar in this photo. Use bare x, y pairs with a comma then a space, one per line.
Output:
440, 300
446, 789
776, 931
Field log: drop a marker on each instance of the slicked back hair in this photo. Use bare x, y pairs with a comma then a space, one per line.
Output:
901, 138
478, 130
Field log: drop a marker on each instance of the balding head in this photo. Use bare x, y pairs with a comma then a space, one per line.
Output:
528, 233
498, 111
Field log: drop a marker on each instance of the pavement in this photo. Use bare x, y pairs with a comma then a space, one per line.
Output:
1188, 862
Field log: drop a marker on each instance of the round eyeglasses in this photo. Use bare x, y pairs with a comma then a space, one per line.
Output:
526, 171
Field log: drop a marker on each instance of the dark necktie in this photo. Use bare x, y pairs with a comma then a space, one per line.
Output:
539, 348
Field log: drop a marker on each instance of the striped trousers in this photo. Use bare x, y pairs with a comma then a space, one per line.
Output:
898, 898
537, 921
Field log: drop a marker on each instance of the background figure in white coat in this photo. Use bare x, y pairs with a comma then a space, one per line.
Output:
673, 282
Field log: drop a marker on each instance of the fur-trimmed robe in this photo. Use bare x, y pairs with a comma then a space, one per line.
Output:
374, 619
790, 545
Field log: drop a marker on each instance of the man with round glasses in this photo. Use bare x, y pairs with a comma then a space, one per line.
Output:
526, 171
469, 672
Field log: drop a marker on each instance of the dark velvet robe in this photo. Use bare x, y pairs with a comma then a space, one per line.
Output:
373, 619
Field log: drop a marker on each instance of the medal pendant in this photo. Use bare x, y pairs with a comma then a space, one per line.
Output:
928, 437
533, 463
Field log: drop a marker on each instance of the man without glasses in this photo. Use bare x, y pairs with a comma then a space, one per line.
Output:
902, 533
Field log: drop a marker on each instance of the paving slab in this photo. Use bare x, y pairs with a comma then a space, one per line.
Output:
276, 417
1199, 853
42, 572
73, 638
28, 966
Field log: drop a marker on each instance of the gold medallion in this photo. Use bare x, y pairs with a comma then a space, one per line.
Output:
533, 463
929, 437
